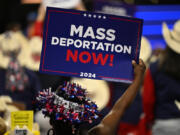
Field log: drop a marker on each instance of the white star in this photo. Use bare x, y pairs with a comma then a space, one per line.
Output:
94, 16
99, 16
89, 15
104, 17
85, 15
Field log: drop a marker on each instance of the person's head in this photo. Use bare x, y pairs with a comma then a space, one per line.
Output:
67, 108
171, 56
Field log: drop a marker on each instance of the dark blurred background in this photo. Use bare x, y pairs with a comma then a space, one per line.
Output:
19, 10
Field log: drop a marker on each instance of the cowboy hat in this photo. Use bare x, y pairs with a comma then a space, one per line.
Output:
61, 3
24, 47
98, 90
34, 53
5, 104
172, 38
11, 42
6, 108
177, 104
3, 60
146, 49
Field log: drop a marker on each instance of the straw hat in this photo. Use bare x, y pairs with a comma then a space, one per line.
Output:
34, 53
61, 3
11, 42
7, 109
146, 49
172, 37
3, 60
4, 106
7, 43
98, 90
177, 104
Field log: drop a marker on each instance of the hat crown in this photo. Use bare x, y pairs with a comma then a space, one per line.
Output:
172, 38
175, 33
177, 28
10, 42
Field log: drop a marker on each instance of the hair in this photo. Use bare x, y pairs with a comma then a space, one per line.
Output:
68, 107
60, 127
169, 63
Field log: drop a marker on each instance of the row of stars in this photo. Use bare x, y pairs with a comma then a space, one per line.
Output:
94, 16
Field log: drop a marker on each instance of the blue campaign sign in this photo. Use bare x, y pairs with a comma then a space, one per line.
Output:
90, 45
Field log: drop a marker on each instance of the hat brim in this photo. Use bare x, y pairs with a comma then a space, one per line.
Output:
35, 46
99, 90
146, 50
173, 44
30, 63
22, 56
3, 61
177, 104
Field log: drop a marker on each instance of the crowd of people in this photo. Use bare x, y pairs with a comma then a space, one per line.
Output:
148, 106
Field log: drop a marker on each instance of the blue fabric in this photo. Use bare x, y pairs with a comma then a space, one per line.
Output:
28, 95
167, 90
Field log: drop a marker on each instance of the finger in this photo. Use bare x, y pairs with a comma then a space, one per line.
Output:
134, 63
141, 62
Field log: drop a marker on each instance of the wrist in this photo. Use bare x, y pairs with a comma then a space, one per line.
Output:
139, 77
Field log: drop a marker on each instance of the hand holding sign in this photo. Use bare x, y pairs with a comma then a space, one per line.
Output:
90, 45
139, 69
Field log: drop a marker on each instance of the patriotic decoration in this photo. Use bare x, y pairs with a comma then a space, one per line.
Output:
68, 104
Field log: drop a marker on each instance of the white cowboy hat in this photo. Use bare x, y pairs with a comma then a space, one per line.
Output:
23, 41
3, 60
61, 3
98, 90
12, 41
34, 53
172, 38
177, 104
146, 50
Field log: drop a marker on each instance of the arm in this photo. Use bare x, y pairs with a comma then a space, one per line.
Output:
41, 13
109, 124
38, 25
